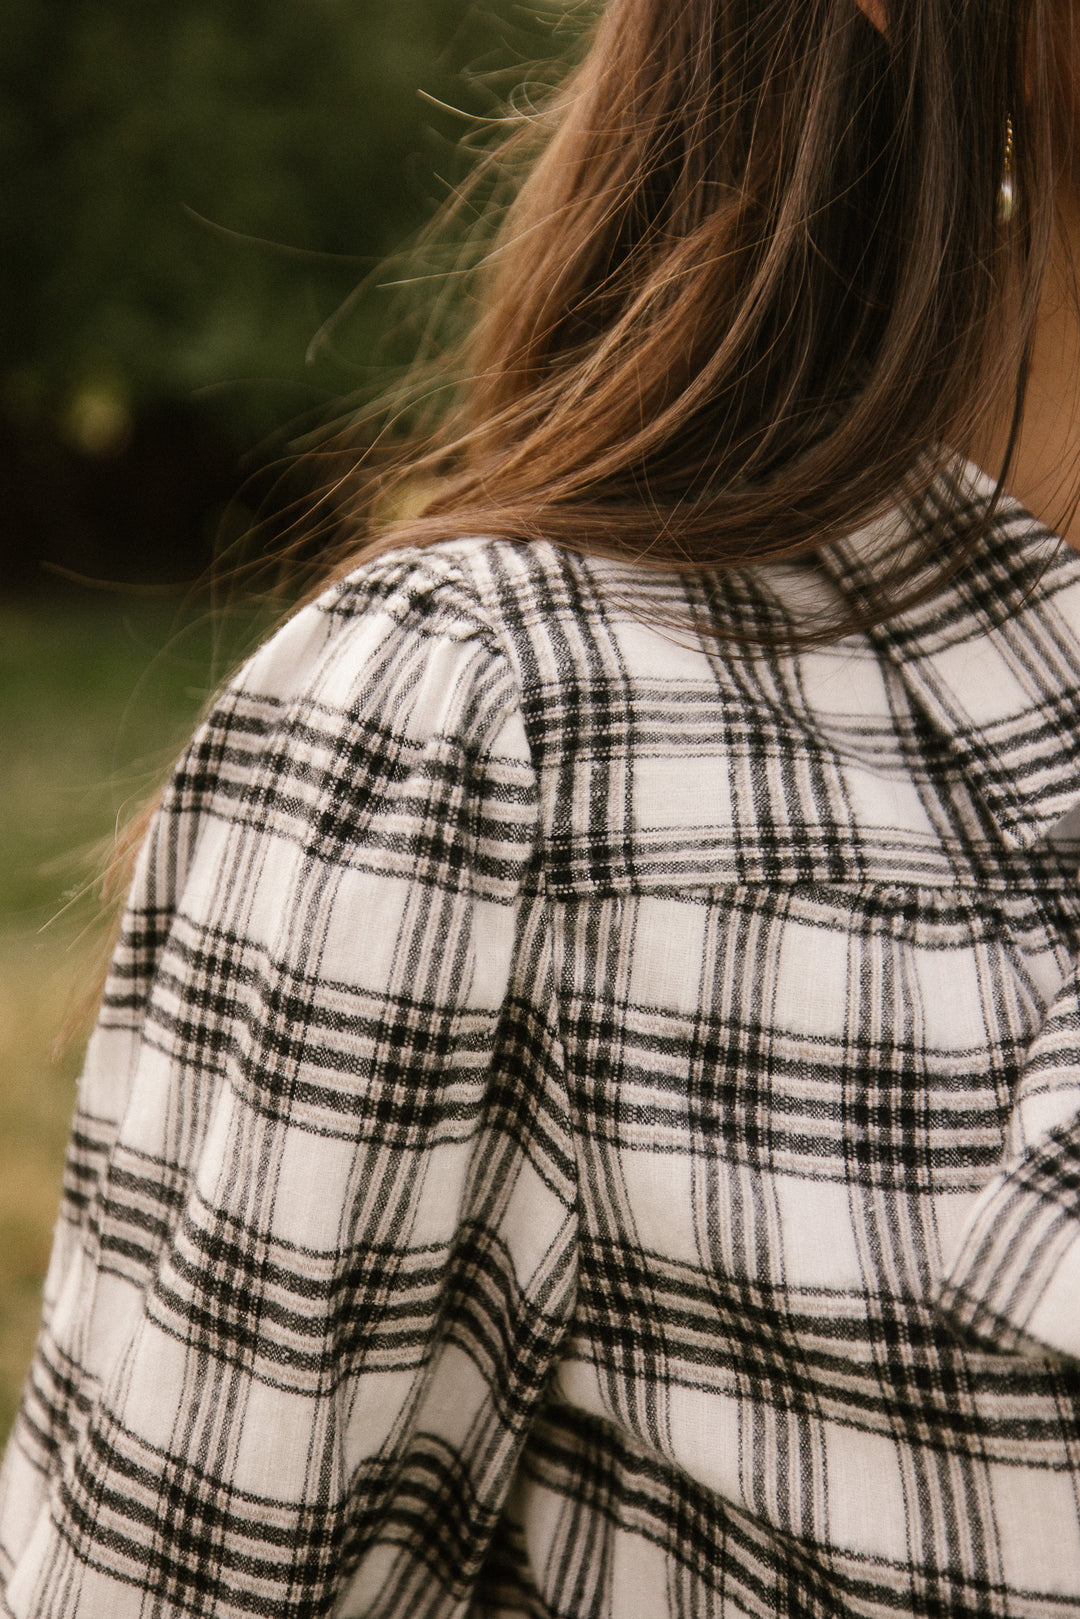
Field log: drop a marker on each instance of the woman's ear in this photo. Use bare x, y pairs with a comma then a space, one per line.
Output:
874, 10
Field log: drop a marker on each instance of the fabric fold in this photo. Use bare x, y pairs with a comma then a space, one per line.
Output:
1014, 1280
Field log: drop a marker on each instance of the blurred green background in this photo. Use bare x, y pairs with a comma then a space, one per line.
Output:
192, 196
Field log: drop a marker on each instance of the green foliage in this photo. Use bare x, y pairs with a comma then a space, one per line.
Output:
195, 188
97, 694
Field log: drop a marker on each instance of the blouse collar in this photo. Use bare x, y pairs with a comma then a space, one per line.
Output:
992, 655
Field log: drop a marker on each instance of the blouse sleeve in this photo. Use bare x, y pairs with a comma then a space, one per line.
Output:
317, 1245
1013, 1279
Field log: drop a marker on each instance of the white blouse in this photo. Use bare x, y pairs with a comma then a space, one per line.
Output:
586, 1124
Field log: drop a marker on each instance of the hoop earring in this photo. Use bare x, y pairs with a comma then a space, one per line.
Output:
1006, 200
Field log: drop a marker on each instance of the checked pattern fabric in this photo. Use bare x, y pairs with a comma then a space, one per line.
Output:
583, 1124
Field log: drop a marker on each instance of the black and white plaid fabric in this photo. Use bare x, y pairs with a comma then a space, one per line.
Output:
583, 1125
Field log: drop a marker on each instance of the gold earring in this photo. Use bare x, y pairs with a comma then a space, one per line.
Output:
1006, 193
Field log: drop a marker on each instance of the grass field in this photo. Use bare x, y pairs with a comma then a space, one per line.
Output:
96, 696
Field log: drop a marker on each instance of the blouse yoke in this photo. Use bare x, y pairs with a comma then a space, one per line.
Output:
584, 1123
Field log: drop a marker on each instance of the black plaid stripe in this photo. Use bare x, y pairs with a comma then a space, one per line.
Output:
542, 1151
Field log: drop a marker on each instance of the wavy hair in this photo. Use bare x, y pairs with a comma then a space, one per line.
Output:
754, 286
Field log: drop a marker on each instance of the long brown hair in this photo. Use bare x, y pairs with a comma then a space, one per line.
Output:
754, 285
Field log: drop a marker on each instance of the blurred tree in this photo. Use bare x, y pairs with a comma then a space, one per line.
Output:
194, 188
193, 192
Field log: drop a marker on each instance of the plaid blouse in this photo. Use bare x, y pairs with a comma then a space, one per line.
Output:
584, 1125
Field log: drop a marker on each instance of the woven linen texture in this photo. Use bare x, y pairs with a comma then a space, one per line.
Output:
584, 1125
